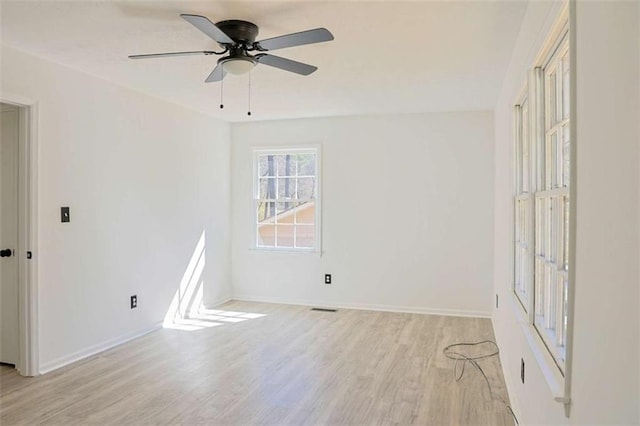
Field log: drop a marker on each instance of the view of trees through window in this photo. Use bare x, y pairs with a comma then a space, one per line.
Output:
286, 189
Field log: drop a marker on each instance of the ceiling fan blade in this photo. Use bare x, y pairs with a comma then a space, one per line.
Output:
217, 74
209, 28
163, 55
285, 64
296, 39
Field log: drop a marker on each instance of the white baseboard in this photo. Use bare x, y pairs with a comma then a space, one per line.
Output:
218, 302
95, 349
366, 307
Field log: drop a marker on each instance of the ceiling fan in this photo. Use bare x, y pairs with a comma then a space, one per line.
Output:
237, 38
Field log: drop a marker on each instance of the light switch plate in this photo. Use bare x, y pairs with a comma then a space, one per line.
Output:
65, 215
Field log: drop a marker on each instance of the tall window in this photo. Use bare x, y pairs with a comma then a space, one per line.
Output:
542, 201
286, 199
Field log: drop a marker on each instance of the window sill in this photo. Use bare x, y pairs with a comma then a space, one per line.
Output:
548, 366
285, 250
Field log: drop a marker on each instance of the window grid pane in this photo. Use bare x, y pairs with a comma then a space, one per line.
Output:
305, 237
559, 314
565, 86
551, 163
566, 155
522, 213
551, 113
525, 147
565, 234
539, 285
518, 149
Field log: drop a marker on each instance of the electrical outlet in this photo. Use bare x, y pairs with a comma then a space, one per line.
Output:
522, 370
134, 301
327, 278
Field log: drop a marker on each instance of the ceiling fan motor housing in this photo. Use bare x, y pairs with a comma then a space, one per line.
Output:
242, 32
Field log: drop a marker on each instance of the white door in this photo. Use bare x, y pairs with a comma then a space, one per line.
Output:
9, 331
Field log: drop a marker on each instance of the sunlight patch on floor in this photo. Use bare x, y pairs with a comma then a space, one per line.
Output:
186, 311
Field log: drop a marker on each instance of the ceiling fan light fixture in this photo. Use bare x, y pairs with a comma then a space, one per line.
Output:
238, 65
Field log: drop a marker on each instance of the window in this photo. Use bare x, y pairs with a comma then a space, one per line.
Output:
523, 204
552, 207
542, 199
286, 203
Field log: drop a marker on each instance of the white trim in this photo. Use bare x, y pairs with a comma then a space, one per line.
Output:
555, 192
28, 360
573, 195
366, 306
552, 39
219, 302
95, 349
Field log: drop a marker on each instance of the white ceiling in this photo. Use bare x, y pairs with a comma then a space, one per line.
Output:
387, 56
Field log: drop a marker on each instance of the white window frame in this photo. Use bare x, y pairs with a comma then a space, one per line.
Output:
257, 152
556, 369
551, 258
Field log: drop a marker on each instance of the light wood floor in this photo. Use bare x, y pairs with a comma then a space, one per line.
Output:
292, 366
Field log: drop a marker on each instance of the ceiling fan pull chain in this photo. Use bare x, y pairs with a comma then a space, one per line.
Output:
221, 94
249, 111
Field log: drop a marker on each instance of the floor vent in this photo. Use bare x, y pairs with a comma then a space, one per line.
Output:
324, 309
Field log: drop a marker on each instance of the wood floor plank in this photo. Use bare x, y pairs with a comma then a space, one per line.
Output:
280, 365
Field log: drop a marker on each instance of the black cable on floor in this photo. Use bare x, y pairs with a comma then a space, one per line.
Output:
454, 352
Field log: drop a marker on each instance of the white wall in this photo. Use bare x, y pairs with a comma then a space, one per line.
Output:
607, 281
606, 372
407, 214
144, 179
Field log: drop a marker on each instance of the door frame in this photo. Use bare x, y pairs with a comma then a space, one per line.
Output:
28, 359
